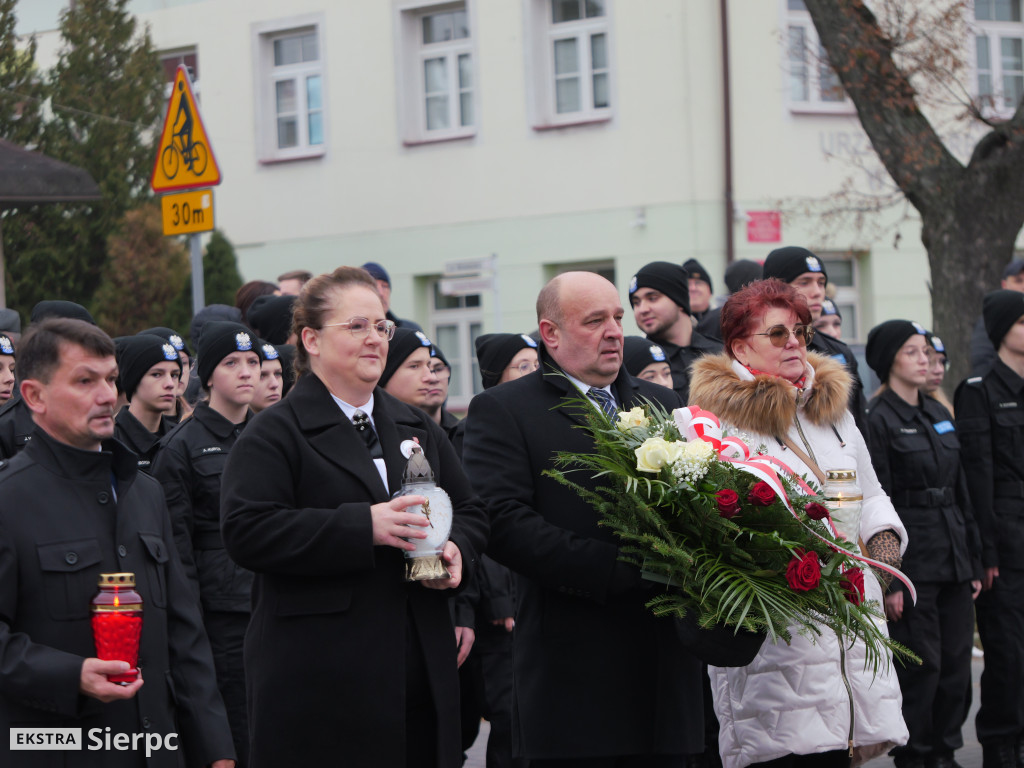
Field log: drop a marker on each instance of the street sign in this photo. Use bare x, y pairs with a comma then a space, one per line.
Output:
184, 159
468, 266
465, 286
188, 212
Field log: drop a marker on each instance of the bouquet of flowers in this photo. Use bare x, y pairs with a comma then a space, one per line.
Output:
735, 540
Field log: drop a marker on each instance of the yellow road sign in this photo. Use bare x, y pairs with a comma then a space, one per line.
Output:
184, 159
188, 212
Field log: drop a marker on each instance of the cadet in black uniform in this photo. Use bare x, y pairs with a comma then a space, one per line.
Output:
181, 408
659, 294
990, 414
806, 272
7, 365
148, 374
916, 454
189, 465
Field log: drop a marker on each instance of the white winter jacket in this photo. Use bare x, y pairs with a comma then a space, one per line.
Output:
805, 697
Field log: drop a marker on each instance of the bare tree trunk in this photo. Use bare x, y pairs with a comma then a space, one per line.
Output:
970, 216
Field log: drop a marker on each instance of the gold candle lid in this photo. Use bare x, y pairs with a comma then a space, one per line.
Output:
841, 474
117, 579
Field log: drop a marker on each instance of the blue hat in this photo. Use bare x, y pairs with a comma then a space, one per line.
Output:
377, 272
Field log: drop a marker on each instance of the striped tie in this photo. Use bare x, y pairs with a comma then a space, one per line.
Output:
603, 399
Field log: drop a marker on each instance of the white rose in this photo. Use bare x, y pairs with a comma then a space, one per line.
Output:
656, 453
631, 419
699, 451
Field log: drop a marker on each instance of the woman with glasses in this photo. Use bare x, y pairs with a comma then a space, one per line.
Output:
808, 703
346, 662
916, 453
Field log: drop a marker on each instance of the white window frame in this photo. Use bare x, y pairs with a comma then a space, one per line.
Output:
462, 359
178, 54
814, 60
995, 32
267, 75
412, 53
847, 295
541, 34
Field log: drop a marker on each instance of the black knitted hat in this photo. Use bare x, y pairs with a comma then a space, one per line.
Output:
219, 339
697, 272
271, 317
788, 263
885, 340
137, 354
1001, 309
667, 278
495, 351
58, 308
405, 342
638, 353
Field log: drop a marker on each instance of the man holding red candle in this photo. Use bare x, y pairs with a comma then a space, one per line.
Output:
75, 506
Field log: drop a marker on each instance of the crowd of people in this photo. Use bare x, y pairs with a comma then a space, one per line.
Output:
249, 476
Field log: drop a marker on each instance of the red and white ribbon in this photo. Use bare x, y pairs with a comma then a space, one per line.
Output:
697, 424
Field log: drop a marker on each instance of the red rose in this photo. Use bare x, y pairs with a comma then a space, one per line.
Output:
816, 511
728, 502
761, 494
853, 583
804, 571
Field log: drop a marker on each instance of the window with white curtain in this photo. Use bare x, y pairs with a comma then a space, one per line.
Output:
291, 109
812, 83
569, 61
437, 74
999, 55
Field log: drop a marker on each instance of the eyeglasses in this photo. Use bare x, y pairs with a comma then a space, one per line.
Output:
359, 327
525, 367
778, 335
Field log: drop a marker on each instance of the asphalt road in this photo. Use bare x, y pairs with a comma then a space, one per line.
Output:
968, 757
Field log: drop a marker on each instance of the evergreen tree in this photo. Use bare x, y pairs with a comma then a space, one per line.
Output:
21, 88
106, 101
145, 273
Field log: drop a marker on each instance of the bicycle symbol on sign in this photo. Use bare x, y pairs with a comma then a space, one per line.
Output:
182, 148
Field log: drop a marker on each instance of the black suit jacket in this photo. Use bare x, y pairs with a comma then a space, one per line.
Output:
61, 525
596, 674
332, 614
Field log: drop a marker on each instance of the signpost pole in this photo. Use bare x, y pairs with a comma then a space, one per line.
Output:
198, 294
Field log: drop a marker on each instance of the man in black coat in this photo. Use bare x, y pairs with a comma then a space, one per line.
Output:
659, 294
74, 506
599, 681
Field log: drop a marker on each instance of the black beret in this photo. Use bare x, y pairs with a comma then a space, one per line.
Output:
219, 339
58, 308
137, 354
6, 345
742, 273
271, 317
1001, 309
495, 351
828, 307
697, 272
664, 277
638, 353
885, 340
936, 344
788, 263
405, 342
10, 320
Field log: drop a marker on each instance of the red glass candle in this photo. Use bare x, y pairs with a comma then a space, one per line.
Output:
117, 623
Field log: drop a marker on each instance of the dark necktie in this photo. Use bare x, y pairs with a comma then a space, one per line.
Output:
365, 429
604, 400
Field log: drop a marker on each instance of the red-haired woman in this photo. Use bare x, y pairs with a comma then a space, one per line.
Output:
809, 702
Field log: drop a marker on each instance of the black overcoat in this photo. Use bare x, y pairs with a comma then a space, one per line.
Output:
61, 525
596, 674
325, 650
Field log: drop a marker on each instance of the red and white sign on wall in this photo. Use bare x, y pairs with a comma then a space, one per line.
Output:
764, 227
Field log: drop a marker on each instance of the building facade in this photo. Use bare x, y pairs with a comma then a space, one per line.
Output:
549, 134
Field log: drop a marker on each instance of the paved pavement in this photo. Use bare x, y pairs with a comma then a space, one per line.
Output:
968, 757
